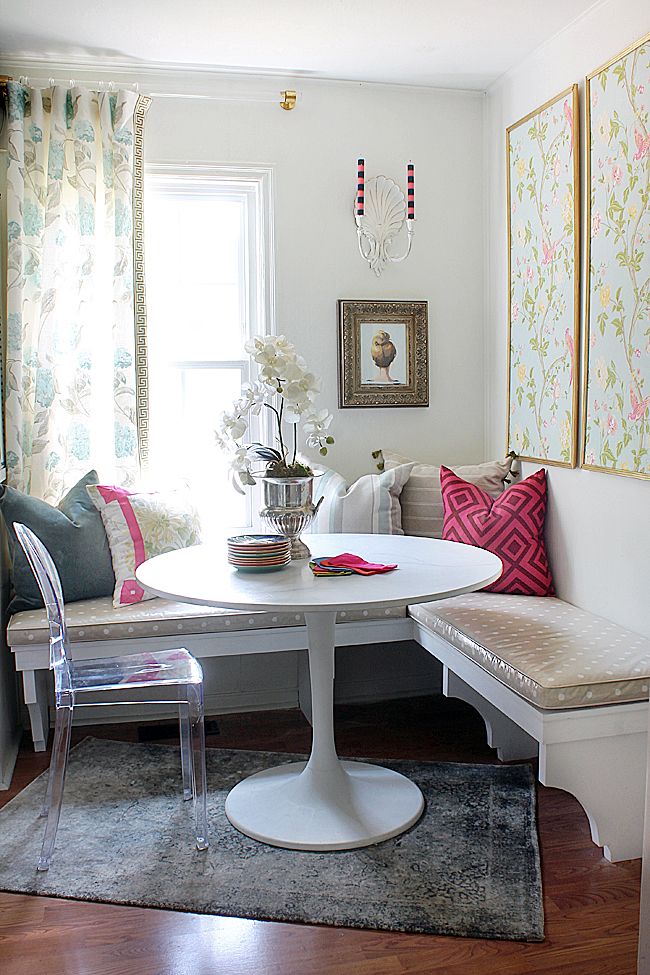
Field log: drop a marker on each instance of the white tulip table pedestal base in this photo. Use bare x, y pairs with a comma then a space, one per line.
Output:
324, 804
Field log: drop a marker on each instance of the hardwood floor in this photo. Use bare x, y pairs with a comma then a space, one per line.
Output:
591, 905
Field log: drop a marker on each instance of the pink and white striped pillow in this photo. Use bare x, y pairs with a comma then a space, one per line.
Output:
140, 526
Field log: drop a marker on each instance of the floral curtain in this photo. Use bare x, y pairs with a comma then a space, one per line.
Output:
70, 399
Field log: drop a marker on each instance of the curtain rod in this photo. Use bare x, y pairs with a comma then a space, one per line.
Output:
289, 98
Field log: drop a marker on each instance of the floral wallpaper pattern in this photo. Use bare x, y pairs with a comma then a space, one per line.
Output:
70, 398
617, 418
543, 238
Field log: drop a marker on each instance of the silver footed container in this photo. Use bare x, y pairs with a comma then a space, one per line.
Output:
289, 509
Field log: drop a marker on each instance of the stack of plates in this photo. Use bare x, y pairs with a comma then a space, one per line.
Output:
259, 553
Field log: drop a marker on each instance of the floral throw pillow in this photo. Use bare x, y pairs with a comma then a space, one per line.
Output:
510, 526
140, 526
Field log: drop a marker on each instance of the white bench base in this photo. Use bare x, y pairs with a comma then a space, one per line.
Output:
32, 660
597, 754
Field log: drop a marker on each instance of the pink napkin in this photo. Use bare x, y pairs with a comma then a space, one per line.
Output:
353, 563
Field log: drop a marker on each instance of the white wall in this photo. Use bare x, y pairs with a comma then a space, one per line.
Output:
313, 150
599, 524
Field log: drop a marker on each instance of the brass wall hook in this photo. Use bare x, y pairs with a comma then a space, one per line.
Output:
289, 100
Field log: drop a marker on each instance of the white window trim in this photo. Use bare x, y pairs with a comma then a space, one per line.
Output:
260, 182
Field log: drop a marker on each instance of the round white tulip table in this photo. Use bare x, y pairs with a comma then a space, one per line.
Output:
324, 803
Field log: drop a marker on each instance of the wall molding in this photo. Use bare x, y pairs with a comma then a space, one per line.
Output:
201, 80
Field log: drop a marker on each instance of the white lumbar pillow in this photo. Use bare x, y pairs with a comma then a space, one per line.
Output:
369, 506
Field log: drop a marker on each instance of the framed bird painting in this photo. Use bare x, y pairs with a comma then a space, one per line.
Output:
616, 412
543, 281
383, 353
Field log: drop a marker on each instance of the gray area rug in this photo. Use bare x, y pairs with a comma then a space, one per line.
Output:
469, 867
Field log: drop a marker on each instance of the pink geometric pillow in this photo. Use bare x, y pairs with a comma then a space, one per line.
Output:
510, 526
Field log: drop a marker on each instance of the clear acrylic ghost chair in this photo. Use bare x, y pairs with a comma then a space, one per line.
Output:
176, 669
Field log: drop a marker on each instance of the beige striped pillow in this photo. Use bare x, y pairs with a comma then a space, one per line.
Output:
421, 497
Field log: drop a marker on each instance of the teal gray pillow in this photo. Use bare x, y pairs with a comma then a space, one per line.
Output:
73, 533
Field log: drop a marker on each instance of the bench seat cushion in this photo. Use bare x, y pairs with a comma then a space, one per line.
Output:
97, 619
548, 651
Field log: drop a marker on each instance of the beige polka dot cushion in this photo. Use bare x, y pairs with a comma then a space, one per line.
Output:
98, 619
551, 653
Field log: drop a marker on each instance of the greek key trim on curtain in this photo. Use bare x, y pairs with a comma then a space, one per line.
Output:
140, 303
74, 174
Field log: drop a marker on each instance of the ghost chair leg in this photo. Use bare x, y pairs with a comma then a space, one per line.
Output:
54, 797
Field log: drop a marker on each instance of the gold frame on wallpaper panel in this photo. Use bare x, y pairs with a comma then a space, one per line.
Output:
573, 91
585, 357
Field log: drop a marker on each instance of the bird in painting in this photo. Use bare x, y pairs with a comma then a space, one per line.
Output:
383, 353
639, 406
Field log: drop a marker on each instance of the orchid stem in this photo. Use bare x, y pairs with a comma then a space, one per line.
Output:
283, 449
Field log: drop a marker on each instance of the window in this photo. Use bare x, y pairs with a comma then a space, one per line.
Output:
209, 288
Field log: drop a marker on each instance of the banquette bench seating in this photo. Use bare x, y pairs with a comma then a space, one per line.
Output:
550, 680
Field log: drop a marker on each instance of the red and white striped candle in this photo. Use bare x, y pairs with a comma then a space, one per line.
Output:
361, 180
410, 191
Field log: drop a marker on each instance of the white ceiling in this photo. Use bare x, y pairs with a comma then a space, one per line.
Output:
443, 43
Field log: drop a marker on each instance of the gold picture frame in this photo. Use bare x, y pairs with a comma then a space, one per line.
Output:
543, 242
616, 413
383, 353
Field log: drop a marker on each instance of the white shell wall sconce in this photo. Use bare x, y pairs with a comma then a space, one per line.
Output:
380, 211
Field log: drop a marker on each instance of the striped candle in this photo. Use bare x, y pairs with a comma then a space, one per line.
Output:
410, 192
361, 179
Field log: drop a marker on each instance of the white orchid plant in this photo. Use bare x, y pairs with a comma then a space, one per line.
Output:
287, 389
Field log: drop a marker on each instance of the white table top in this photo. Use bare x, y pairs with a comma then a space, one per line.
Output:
427, 569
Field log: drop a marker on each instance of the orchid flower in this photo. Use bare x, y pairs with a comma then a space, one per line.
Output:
288, 389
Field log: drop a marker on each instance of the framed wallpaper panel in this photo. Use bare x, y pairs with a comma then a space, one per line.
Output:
616, 422
543, 183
